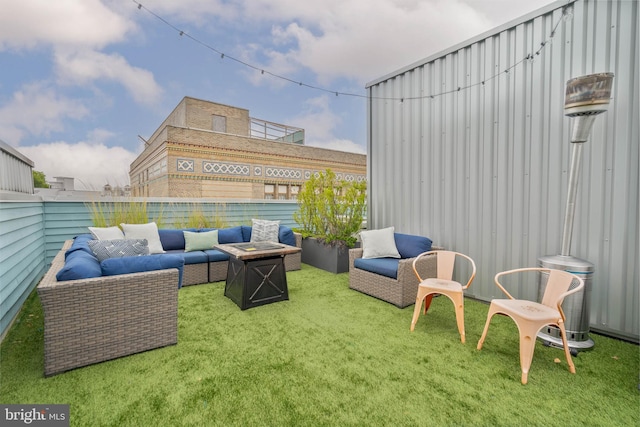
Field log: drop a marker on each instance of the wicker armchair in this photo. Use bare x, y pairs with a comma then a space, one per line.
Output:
400, 292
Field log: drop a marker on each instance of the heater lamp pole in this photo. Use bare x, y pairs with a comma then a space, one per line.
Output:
574, 173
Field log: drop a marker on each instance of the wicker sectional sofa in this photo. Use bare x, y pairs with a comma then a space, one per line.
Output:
94, 319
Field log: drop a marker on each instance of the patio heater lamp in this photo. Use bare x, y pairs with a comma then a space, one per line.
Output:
585, 98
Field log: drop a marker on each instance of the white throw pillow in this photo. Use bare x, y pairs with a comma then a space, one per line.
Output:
263, 230
379, 243
144, 231
106, 233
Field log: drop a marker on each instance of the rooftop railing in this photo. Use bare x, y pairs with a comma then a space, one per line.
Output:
276, 132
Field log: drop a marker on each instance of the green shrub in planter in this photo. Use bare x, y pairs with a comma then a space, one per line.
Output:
331, 209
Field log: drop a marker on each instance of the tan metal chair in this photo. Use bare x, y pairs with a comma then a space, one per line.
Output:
442, 284
532, 316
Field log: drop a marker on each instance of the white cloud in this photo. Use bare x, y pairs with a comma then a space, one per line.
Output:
86, 66
319, 124
75, 31
361, 39
36, 109
91, 164
364, 39
34, 23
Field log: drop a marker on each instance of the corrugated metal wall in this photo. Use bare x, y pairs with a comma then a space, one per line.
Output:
15, 170
471, 148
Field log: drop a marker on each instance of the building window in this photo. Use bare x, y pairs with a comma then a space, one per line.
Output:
295, 189
269, 191
219, 123
283, 192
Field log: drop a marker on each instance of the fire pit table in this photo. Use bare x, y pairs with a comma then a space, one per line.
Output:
256, 273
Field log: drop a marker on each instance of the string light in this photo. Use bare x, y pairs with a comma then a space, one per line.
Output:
567, 14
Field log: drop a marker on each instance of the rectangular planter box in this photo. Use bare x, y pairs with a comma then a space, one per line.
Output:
332, 258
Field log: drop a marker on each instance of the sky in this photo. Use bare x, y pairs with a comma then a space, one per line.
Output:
83, 82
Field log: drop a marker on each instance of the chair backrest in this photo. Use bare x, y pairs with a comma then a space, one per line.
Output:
559, 286
445, 262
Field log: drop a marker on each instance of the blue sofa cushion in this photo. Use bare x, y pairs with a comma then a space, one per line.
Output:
246, 233
80, 243
286, 236
137, 264
383, 266
410, 246
215, 255
229, 235
79, 265
171, 239
194, 257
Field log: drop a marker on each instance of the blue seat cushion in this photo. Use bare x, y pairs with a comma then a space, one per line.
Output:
138, 264
79, 265
410, 246
383, 266
193, 257
215, 255
286, 236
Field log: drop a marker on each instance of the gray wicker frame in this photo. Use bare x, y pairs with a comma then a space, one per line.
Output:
93, 320
195, 274
400, 292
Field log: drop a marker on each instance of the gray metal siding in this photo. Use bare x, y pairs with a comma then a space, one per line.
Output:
471, 148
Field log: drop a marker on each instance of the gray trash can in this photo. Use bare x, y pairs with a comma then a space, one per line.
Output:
575, 307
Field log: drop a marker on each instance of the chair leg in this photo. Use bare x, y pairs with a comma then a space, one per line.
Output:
422, 292
458, 302
565, 344
486, 327
527, 346
427, 303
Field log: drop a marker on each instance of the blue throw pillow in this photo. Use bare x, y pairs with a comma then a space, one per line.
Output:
230, 235
79, 265
286, 236
138, 264
410, 246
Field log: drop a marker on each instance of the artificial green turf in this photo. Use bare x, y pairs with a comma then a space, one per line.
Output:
328, 356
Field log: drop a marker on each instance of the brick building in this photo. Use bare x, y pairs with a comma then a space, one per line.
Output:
204, 149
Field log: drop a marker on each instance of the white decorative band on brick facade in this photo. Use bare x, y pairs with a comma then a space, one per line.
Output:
225, 168
339, 175
283, 173
257, 171
185, 165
